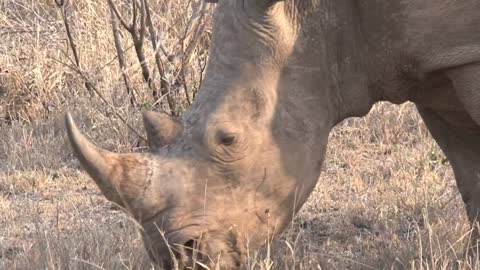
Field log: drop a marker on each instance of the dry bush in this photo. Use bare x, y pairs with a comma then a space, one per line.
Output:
47, 70
386, 199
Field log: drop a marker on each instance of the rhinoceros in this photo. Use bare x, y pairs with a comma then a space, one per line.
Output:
228, 176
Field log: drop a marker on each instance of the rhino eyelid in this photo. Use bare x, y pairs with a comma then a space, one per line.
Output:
227, 140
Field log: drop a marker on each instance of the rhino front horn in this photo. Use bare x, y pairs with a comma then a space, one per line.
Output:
161, 129
122, 178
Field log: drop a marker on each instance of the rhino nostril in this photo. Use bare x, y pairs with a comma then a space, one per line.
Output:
190, 244
190, 249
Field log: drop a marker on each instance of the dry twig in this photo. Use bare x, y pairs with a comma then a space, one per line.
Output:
87, 80
77, 68
195, 28
138, 36
164, 85
121, 56
62, 4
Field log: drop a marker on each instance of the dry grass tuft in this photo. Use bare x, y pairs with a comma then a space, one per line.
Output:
386, 199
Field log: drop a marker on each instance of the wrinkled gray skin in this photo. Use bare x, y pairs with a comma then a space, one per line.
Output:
247, 154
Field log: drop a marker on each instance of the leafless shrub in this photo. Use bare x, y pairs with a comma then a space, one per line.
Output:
188, 39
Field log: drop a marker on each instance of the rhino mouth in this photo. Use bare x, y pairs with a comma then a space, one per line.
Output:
183, 249
212, 252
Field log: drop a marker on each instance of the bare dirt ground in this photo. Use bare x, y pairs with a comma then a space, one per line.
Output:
386, 198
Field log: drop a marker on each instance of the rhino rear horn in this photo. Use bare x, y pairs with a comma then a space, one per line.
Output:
122, 178
161, 129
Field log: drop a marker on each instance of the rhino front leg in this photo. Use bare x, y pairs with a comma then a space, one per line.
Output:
459, 137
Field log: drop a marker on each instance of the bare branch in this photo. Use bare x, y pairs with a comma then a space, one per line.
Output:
185, 85
164, 85
190, 21
134, 13
187, 52
66, 23
121, 56
142, 21
197, 34
62, 5
138, 37
99, 94
120, 17
143, 63
202, 72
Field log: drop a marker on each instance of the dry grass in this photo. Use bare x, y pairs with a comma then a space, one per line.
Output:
386, 199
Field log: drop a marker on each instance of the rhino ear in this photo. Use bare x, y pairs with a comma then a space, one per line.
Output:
122, 178
161, 129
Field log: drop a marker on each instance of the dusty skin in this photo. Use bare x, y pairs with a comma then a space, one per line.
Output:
247, 154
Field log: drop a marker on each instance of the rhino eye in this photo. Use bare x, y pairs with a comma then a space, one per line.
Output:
225, 139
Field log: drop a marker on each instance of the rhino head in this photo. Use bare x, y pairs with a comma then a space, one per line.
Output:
229, 175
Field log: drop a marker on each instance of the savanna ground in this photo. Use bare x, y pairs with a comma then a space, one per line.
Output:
386, 198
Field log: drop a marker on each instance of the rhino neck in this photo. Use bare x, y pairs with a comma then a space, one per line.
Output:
330, 59
391, 70
356, 52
